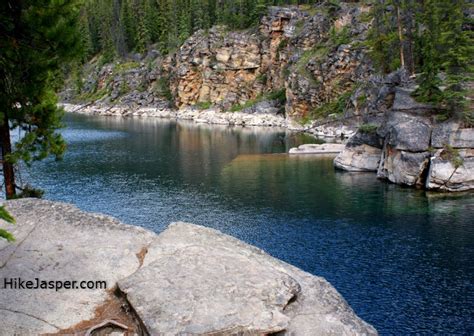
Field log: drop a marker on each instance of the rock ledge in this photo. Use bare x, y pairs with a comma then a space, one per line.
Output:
187, 280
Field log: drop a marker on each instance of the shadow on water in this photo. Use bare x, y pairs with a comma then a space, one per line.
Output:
402, 258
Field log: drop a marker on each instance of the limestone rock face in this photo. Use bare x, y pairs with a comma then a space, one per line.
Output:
408, 132
450, 133
447, 175
321, 70
409, 135
189, 279
196, 280
403, 167
229, 68
213, 67
362, 153
358, 158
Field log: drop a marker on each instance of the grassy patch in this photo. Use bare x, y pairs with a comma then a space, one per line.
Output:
279, 95
203, 105
94, 95
361, 100
368, 128
123, 67
336, 106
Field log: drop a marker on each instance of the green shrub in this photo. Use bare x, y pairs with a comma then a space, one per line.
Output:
163, 88
30, 192
368, 128
452, 155
337, 106
123, 67
203, 105
339, 37
5, 215
124, 88
279, 95
262, 78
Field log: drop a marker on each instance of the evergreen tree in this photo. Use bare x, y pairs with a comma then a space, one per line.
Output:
36, 36
456, 60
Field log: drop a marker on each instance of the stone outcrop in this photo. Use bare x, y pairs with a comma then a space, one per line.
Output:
409, 147
451, 170
56, 241
327, 148
362, 153
324, 60
187, 280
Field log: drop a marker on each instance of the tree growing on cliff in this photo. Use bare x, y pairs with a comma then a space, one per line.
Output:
36, 37
432, 39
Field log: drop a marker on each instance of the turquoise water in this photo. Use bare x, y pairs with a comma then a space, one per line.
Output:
402, 258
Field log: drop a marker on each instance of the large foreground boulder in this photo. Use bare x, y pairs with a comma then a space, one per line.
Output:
187, 280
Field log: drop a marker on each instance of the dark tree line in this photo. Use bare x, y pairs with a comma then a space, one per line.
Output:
117, 27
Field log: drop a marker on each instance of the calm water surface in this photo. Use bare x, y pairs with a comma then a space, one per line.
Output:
402, 258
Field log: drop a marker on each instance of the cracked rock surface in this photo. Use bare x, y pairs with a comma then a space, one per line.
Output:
57, 241
197, 280
193, 280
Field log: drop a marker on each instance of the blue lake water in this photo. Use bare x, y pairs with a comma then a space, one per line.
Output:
402, 258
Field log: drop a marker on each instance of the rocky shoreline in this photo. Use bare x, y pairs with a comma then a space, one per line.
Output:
187, 280
212, 117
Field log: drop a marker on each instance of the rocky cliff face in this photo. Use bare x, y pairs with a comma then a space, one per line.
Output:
407, 145
230, 68
312, 55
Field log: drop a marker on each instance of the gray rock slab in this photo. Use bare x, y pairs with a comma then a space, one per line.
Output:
405, 102
327, 148
408, 132
196, 280
361, 158
444, 175
449, 133
57, 241
403, 167
193, 280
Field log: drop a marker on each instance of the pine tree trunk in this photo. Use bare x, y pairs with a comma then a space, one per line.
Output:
400, 37
8, 172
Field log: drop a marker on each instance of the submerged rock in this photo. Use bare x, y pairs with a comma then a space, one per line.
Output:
189, 279
327, 148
